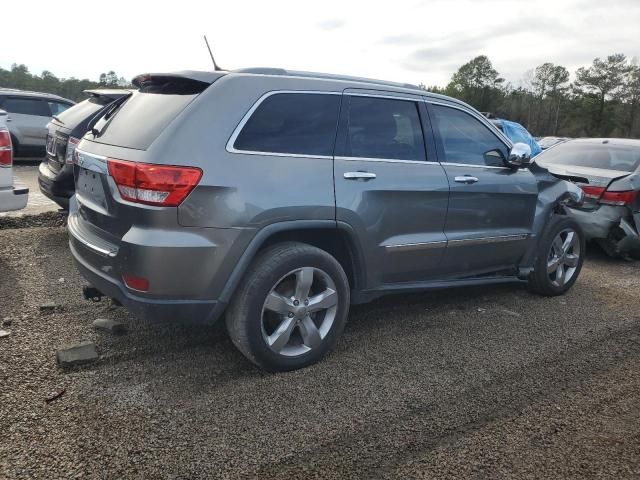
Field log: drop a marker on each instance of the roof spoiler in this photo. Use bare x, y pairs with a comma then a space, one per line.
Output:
113, 94
189, 75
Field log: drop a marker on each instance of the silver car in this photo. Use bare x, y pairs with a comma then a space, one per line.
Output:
279, 198
27, 116
608, 170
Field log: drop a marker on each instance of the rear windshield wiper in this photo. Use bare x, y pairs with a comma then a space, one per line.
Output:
55, 117
108, 114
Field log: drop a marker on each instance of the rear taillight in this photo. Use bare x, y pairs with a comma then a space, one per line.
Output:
619, 198
152, 184
592, 192
72, 143
6, 150
607, 197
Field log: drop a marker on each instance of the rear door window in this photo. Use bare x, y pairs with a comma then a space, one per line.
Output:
292, 123
384, 128
466, 140
27, 106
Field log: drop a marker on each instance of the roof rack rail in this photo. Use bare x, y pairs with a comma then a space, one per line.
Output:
327, 76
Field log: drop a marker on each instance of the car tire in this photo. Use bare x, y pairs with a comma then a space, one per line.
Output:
290, 308
559, 258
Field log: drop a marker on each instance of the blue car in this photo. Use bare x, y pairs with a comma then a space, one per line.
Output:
517, 133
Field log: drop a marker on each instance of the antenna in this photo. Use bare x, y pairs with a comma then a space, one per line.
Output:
215, 65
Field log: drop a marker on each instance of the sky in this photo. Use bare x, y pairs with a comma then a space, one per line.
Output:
409, 41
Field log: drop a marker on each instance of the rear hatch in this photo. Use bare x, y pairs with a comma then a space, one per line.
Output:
71, 122
116, 185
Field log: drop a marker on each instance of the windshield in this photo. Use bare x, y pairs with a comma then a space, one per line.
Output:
622, 158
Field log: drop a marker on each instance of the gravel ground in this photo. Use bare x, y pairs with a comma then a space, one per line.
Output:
489, 382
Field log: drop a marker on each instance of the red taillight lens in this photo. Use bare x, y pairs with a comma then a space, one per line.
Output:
136, 283
619, 198
606, 197
591, 191
152, 184
6, 150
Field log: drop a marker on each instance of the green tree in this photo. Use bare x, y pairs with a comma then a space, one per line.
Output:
477, 83
603, 80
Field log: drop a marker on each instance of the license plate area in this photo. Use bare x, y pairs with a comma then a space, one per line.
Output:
89, 186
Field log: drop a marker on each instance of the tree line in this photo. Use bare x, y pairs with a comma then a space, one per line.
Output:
20, 78
603, 100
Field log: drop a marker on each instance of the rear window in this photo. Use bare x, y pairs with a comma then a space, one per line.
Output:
78, 113
142, 117
292, 123
622, 158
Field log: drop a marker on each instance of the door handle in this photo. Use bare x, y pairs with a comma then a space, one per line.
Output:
8, 119
468, 179
359, 175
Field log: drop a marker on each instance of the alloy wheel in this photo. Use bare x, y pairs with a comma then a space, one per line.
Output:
564, 257
299, 311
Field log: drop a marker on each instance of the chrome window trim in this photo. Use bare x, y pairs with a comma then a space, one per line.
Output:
91, 161
417, 98
444, 164
236, 131
403, 247
385, 160
486, 240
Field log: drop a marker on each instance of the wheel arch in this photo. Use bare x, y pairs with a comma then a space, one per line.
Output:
336, 238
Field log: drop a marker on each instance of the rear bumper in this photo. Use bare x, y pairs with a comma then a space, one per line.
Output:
13, 198
150, 309
187, 268
599, 224
57, 186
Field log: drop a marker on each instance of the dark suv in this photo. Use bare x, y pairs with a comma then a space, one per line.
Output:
283, 197
55, 175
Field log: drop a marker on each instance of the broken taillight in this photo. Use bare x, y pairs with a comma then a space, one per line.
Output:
607, 197
152, 184
6, 150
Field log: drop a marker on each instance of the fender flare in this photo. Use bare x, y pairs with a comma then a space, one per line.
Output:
267, 232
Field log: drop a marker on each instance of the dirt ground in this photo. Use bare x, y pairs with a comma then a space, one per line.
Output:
490, 382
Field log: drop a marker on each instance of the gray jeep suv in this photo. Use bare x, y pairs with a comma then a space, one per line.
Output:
279, 198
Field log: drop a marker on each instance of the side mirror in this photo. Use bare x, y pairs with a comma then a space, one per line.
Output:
519, 156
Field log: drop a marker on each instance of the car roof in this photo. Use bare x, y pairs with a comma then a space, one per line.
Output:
27, 93
356, 82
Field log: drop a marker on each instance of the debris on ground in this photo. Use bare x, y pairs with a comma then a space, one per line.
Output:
6, 322
509, 312
108, 325
83, 352
4, 333
47, 307
55, 395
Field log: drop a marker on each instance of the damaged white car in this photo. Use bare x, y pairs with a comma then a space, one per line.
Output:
608, 171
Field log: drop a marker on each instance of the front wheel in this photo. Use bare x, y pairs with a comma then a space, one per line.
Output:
290, 308
560, 256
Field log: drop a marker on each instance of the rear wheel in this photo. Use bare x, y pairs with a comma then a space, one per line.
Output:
290, 308
560, 257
